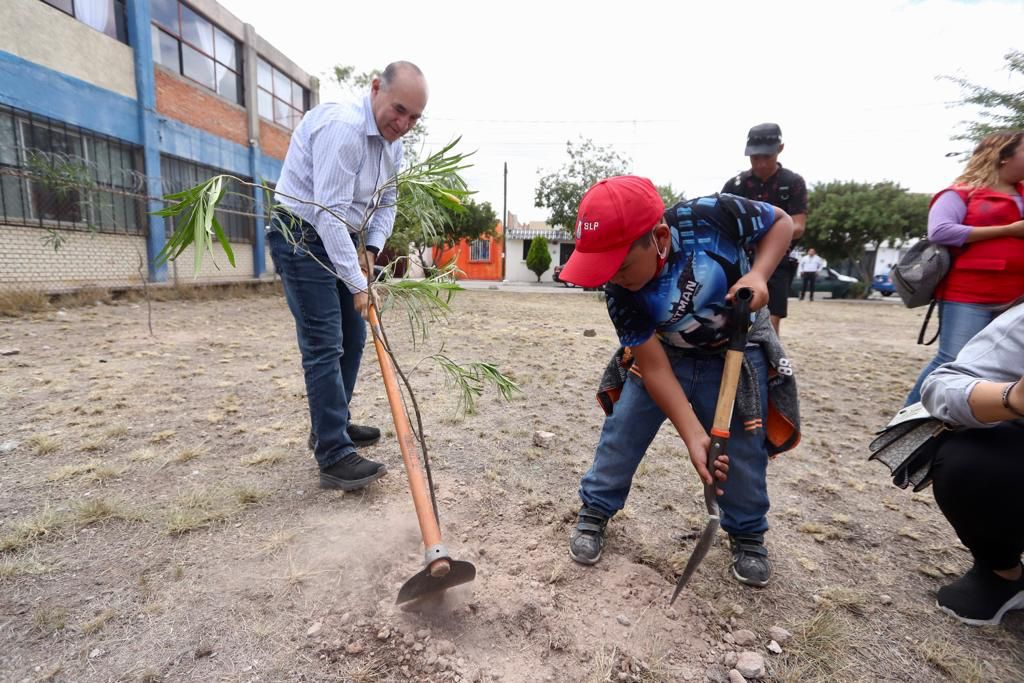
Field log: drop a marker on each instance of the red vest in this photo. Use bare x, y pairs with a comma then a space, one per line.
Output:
988, 271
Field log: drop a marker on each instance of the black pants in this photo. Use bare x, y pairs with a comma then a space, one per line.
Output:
808, 285
979, 485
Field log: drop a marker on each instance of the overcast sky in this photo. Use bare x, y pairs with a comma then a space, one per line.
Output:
672, 86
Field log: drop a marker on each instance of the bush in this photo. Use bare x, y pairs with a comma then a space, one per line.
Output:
538, 259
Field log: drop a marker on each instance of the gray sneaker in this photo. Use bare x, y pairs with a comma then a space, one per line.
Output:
587, 539
750, 563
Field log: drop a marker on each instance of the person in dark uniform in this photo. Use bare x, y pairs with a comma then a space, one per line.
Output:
767, 181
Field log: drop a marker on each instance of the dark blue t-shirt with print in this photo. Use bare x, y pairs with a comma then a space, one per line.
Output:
685, 303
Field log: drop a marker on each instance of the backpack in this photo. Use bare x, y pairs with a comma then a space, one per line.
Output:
916, 276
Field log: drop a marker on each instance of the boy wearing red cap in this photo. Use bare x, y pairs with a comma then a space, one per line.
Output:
670, 278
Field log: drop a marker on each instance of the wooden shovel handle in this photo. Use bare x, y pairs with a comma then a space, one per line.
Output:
429, 528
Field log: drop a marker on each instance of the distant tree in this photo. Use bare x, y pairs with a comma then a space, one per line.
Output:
999, 110
538, 259
844, 217
560, 192
670, 196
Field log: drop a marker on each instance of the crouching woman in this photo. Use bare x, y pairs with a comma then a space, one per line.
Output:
979, 469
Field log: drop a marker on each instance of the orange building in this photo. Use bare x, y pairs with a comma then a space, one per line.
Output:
476, 259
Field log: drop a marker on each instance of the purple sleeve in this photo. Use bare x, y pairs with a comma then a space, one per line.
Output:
945, 220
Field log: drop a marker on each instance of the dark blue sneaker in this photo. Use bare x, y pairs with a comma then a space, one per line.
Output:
587, 539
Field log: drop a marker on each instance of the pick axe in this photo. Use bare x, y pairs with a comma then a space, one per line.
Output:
720, 428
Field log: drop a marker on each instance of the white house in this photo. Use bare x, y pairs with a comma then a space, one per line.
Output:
519, 238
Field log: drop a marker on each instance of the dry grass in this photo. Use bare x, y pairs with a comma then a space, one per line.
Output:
248, 496
277, 541
11, 567
201, 508
43, 444
952, 660
820, 651
14, 304
852, 601
142, 454
270, 456
187, 454
97, 510
47, 521
94, 625
69, 471
48, 620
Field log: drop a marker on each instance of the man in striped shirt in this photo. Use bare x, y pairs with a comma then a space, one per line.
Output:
328, 227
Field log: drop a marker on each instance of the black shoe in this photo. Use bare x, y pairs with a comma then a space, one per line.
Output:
587, 539
361, 436
981, 598
750, 563
351, 472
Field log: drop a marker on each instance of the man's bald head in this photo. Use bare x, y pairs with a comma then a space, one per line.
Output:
398, 97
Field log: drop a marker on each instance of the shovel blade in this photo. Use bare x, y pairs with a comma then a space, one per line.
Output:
423, 584
699, 551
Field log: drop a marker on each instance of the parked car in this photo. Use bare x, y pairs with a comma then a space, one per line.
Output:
828, 281
882, 284
555, 276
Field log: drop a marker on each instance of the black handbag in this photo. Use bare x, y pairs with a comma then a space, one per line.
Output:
907, 446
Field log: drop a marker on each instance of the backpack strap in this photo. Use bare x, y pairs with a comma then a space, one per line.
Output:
924, 326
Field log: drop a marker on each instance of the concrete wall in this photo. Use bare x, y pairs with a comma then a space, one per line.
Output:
36, 32
104, 260
84, 259
516, 270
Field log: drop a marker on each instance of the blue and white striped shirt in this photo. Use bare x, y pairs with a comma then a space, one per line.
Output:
338, 158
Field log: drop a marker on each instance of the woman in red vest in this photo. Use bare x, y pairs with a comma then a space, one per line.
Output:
979, 218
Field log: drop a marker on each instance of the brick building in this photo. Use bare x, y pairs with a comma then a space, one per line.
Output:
120, 102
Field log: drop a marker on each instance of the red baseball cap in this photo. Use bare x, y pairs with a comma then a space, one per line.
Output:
612, 215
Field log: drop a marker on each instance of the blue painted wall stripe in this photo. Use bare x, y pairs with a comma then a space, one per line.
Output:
41, 90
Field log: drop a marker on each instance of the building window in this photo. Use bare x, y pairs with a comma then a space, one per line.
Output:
480, 250
526, 248
106, 16
235, 213
565, 251
57, 176
191, 45
280, 99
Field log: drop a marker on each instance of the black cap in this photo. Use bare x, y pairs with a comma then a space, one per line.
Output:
764, 138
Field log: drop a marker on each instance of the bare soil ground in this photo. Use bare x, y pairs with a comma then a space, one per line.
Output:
160, 519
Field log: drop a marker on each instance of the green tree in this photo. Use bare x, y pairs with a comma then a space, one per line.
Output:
560, 192
669, 195
999, 109
845, 217
538, 259
476, 221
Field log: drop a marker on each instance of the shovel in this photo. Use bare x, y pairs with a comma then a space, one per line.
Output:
720, 428
441, 572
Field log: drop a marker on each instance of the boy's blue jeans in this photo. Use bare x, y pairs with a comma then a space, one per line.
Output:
635, 421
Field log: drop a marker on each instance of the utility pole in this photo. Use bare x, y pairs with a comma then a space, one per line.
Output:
504, 225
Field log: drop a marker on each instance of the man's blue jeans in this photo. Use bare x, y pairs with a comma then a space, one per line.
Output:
957, 324
635, 421
330, 331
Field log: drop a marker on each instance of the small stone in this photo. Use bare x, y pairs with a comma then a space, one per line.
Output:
729, 659
622, 619
750, 664
589, 333
417, 647
383, 634
315, 629
729, 638
423, 634
9, 352
543, 439
346, 617
623, 676
736, 610
95, 653
736, 677
8, 446
779, 634
774, 648
744, 637
885, 599
716, 673
445, 647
